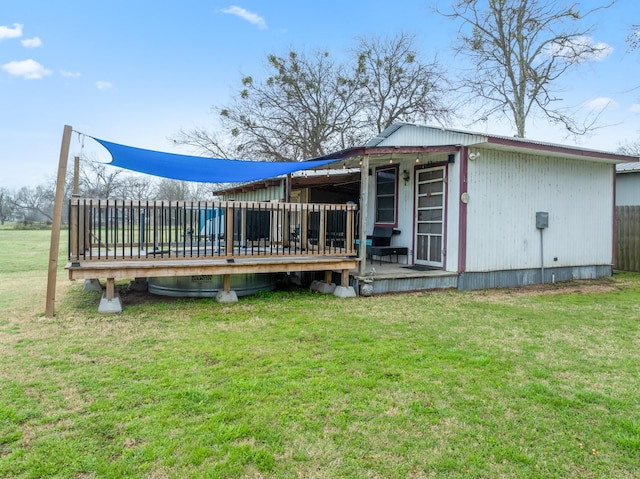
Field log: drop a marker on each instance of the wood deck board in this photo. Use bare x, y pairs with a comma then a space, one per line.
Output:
186, 267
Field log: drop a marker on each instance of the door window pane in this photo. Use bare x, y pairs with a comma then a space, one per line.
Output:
386, 197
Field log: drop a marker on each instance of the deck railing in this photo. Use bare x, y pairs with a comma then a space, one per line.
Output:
103, 230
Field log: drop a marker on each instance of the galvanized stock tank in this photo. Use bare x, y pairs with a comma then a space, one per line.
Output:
207, 285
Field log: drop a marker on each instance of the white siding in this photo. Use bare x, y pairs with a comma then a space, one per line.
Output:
406, 206
507, 189
628, 189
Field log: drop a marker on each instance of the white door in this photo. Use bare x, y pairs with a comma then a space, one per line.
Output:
429, 216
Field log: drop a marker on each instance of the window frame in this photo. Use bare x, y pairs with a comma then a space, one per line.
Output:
395, 168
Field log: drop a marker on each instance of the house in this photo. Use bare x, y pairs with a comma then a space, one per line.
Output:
472, 210
628, 217
436, 208
628, 184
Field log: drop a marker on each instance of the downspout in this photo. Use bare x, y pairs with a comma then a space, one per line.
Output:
364, 208
614, 243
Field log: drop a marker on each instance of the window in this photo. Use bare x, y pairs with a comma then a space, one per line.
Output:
386, 195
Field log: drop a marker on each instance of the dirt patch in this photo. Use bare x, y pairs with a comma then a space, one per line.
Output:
602, 285
131, 297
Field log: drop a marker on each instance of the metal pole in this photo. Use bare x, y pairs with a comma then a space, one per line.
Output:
541, 255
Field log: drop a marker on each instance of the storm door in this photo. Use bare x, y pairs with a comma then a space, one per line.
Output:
429, 216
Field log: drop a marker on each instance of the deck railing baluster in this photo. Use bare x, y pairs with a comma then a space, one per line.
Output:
112, 229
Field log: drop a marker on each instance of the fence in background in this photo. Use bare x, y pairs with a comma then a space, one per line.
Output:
627, 238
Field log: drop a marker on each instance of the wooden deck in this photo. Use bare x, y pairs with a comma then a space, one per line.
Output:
128, 240
119, 269
398, 278
115, 239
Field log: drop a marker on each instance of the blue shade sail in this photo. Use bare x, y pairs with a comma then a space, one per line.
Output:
201, 169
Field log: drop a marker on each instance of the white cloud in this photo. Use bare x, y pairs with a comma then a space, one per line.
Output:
583, 47
34, 42
603, 50
67, 74
602, 103
250, 17
8, 32
635, 108
29, 69
103, 85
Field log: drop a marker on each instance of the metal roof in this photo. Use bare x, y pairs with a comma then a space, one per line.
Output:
628, 167
407, 134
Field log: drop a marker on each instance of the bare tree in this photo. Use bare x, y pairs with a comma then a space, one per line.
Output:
310, 105
519, 49
302, 110
6, 204
173, 190
396, 85
205, 142
631, 148
137, 187
36, 202
99, 180
634, 37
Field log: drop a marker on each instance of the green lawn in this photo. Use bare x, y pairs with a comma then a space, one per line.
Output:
535, 382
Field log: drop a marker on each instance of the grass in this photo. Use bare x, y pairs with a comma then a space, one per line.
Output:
535, 382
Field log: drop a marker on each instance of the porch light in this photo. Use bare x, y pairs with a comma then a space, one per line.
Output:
406, 176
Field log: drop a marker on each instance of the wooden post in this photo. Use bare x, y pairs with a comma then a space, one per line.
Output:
74, 232
57, 222
74, 220
226, 283
344, 280
76, 175
110, 290
348, 237
228, 233
364, 207
322, 231
287, 189
327, 276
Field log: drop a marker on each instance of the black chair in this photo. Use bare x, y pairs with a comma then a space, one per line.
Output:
381, 244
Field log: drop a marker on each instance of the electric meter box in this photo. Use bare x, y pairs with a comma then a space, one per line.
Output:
542, 219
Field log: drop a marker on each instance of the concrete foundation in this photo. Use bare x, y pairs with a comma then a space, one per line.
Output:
345, 292
92, 285
322, 287
110, 306
227, 297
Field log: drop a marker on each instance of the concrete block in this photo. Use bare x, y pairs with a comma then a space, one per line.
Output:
227, 297
92, 285
345, 292
110, 306
322, 287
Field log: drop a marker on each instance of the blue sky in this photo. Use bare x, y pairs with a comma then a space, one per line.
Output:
136, 71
